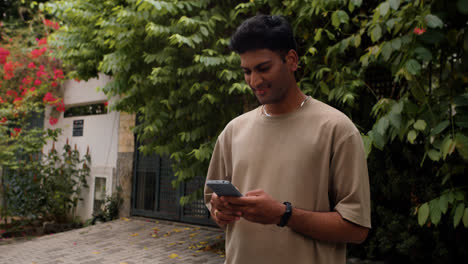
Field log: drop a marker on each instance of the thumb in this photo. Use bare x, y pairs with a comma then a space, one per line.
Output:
256, 192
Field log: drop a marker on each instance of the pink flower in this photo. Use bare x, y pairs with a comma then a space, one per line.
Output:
54, 84
1, 100
27, 80
419, 31
12, 93
3, 55
37, 82
38, 52
49, 97
16, 133
42, 41
58, 74
53, 120
60, 106
41, 67
31, 65
17, 100
106, 103
4, 119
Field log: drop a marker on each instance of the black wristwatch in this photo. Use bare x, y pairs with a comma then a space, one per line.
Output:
287, 214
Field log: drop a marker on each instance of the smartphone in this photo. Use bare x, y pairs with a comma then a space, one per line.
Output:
223, 188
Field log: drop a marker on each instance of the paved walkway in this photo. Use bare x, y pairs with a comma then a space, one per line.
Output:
124, 241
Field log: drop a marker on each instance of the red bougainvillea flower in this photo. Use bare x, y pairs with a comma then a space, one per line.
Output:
8, 69
106, 103
17, 100
60, 106
49, 98
4, 119
1, 100
54, 84
3, 55
16, 132
419, 31
27, 80
31, 65
42, 41
58, 74
37, 82
35, 53
53, 120
51, 24
12, 93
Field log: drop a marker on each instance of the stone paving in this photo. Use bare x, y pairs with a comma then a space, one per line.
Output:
124, 241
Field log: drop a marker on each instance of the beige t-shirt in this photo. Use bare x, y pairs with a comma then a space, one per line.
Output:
314, 158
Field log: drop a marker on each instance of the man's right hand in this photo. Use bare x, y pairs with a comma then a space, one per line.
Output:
221, 212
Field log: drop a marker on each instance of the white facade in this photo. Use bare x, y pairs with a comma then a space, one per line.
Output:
100, 133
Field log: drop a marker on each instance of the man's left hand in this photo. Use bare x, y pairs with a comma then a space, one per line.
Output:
258, 206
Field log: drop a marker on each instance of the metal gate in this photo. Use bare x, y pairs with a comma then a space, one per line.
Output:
154, 196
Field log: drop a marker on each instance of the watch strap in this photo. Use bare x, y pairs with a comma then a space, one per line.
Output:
287, 214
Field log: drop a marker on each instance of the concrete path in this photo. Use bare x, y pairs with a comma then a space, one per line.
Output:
124, 241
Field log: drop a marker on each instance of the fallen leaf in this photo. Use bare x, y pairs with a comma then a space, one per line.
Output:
96, 252
171, 244
157, 222
155, 229
203, 243
125, 219
154, 235
135, 234
181, 242
145, 248
74, 243
123, 263
173, 255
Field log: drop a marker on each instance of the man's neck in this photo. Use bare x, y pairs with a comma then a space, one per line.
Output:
293, 101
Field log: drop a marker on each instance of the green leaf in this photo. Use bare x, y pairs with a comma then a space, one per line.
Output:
382, 125
318, 34
367, 144
395, 120
324, 88
413, 67
433, 21
423, 54
339, 17
376, 33
357, 40
396, 44
461, 144
423, 214
443, 203
394, 4
440, 127
420, 125
384, 7
465, 218
412, 136
434, 155
435, 212
459, 211
387, 51
357, 3
448, 146
462, 6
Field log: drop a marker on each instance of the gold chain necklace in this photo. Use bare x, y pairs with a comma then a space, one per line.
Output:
302, 104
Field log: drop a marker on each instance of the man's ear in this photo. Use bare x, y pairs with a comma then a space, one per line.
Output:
292, 59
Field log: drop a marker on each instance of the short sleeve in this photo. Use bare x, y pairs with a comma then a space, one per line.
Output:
219, 168
350, 180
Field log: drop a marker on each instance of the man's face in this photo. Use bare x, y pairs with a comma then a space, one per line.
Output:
268, 74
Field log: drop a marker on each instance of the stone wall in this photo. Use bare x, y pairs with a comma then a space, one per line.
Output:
125, 158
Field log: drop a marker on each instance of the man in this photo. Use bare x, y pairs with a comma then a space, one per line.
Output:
299, 163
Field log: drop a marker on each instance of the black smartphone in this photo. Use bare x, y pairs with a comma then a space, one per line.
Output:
223, 188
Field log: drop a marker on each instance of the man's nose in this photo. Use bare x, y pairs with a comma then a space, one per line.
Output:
255, 80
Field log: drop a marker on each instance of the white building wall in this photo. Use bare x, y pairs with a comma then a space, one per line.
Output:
100, 133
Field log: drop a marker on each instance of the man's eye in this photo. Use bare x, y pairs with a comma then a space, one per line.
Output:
246, 72
263, 69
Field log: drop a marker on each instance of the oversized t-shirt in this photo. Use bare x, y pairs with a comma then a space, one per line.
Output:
312, 157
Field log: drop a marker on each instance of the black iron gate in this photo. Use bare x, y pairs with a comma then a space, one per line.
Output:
154, 196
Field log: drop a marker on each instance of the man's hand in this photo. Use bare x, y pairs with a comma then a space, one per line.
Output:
257, 206
221, 212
